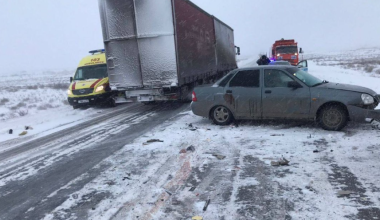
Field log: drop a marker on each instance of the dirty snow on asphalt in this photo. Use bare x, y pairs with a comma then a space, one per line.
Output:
331, 175
231, 166
189, 167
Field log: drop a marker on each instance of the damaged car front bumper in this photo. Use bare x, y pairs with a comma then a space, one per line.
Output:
359, 114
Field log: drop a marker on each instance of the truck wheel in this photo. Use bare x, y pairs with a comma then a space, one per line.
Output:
221, 115
332, 118
112, 102
75, 107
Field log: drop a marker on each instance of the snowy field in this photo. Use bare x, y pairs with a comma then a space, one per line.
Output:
331, 175
36, 99
363, 60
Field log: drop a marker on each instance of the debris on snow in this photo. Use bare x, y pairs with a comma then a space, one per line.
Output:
23, 133
315, 151
168, 192
191, 148
175, 201
126, 178
152, 141
192, 188
206, 204
28, 128
282, 162
10, 131
197, 218
75, 196
183, 151
220, 157
344, 192
277, 135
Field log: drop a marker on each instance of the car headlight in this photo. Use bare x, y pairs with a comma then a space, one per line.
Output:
69, 92
100, 88
367, 99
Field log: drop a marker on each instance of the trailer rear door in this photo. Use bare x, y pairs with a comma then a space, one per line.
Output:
139, 42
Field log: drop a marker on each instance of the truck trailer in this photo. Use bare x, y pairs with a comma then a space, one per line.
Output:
157, 50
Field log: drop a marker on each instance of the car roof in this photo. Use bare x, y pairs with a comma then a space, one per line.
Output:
267, 67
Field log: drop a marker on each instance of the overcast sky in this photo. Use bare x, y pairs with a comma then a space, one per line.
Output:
56, 34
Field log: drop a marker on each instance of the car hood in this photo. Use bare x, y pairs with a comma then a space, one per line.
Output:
347, 87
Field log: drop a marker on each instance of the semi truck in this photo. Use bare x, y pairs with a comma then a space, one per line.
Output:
286, 50
158, 50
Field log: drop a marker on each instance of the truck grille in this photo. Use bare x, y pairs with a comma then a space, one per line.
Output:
83, 91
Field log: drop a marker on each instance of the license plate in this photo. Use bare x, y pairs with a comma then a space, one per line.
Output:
84, 101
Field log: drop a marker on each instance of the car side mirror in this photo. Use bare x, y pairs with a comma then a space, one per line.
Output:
71, 79
294, 84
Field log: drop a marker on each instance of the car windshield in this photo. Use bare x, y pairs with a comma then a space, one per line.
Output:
91, 72
305, 77
286, 49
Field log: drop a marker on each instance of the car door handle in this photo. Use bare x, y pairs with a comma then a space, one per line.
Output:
229, 91
268, 91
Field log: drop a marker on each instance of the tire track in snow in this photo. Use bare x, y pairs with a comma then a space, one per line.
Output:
32, 194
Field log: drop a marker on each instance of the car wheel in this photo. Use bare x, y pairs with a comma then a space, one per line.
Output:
333, 118
221, 115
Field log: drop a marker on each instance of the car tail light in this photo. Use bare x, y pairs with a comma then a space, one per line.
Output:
194, 97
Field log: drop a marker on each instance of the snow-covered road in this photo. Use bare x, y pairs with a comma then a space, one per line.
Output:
105, 168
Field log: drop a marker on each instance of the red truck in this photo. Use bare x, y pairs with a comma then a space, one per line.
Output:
285, 50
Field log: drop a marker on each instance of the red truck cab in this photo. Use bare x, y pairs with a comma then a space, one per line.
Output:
285, 50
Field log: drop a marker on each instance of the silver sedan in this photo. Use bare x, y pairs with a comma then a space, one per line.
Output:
283, 92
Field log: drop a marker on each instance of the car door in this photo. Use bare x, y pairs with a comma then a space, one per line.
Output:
243, 94
283, 96
303, 65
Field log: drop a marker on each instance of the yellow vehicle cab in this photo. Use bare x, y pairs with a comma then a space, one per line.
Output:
90, 85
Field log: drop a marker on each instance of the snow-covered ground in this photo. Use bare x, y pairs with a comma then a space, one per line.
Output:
142, 175
366, 60
331, 175
156, 181
39, 100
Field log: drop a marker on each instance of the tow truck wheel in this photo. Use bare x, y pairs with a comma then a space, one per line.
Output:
332, 118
